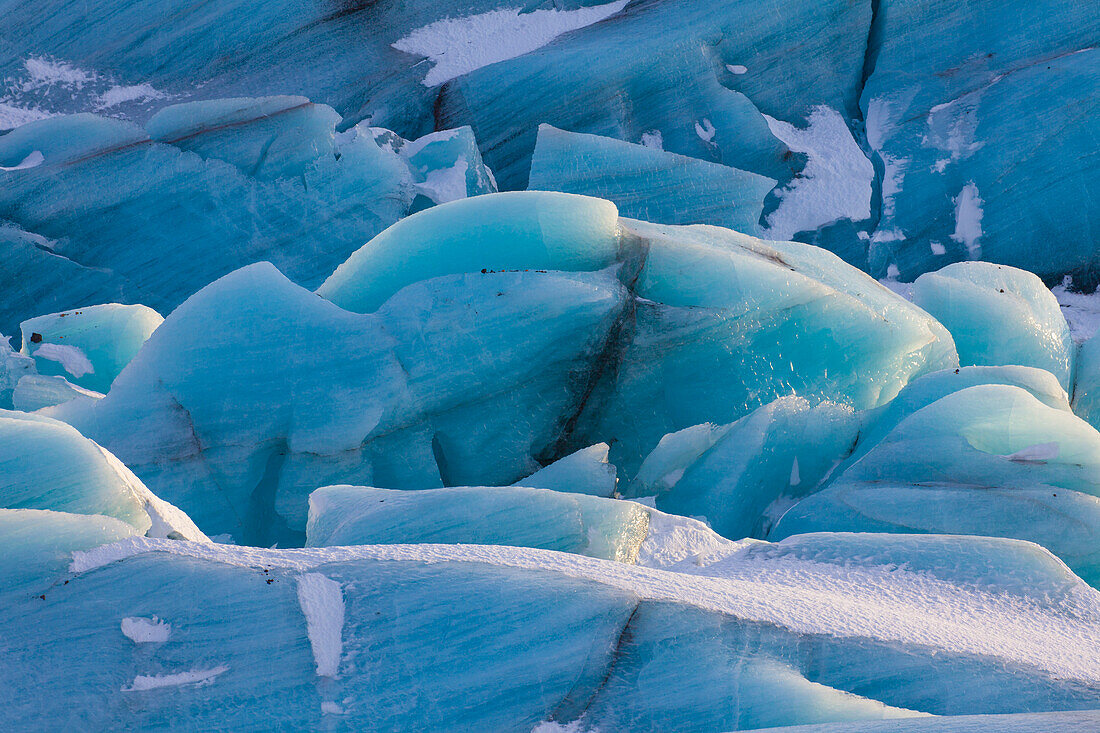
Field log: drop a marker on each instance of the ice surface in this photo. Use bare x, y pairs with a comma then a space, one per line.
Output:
586, 471
999, 315
129, 214
648, 184
836, 627
509, 231
1084, 721
35, 391
1005, 465
611, 529
46, 464
215, 434
97, 341
773, 455
960, 103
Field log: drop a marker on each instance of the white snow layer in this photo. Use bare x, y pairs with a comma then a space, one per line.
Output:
968, 220
33, 159
889, 604
445, 184
194, 677
44, 72
1082, 310
12, 117
322, 604
836, 183
135, 93
146, 630
71, 358
458, 46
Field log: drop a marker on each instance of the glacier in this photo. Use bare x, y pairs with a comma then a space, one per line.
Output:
565, 366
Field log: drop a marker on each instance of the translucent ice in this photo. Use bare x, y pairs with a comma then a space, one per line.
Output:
46, 464
88, 346
608, 528
999, 315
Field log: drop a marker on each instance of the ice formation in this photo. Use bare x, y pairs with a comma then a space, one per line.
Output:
449, 366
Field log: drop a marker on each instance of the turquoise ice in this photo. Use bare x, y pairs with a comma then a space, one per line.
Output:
999, 315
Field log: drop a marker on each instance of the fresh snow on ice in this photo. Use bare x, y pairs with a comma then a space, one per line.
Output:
146, 630
968, 220
458, 46
836, 182
71, 358
322, 604
194, 677
806, 597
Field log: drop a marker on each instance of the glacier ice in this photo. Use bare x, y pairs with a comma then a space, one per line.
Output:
48, 465
205, 188
648, 184
735, 475
588, 450
577, 330
512, 515
546, 636
1006, 465
88, 346
999, 315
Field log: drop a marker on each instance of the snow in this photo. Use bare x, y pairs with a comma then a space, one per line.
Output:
1082, 310
457, 46
135, 93
412, 147
33, 159
937, 248
322, 603
12, 116
865, 602
705, 130
194, 677
445, 184
795, 479
836, 182
146, 630
72, 359
968, 220
737, 69
331, 708
44, 72
653, 139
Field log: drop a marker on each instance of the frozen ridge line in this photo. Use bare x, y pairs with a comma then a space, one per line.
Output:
890, 604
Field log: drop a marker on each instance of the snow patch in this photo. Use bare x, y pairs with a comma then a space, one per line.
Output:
331, 708
737, 69
71, 358
322, 603
458, 46
146, 630
34, 159
194, 677
1082, 310
968, 220
836, 183
705, 131
44, 72
135, 93
12, 117
445, 184
653, 139
937, 248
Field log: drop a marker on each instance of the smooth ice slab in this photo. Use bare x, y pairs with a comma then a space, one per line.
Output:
1006, 465
741, 477
647, 183
46, 464
611, 529
88, 346
999, 315
509, 231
